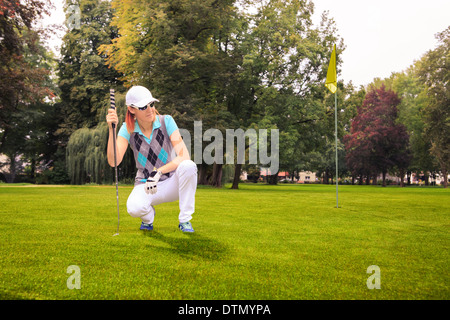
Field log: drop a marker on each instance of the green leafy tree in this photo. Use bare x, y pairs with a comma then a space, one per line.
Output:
84, 84
434, 72
281, 76
414, 100
84, 79
24, 84
19, 80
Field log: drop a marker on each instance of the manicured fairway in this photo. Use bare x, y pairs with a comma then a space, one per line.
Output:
259, 242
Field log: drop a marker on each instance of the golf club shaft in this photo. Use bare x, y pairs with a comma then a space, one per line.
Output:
113, 106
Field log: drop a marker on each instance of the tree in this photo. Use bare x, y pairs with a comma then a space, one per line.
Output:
434, 72
19, 81
86, 155
84, 79
24, 84
281, 75
377, 143
84, 83
412, 92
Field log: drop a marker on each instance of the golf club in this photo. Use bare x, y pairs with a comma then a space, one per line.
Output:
113, 106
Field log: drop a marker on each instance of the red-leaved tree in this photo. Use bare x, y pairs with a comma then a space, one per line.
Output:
377, 143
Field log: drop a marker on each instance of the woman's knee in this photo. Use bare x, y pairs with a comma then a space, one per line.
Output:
136, 204
134, 209
187, 167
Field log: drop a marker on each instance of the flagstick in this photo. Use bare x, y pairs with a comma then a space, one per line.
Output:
335, 132
331, 84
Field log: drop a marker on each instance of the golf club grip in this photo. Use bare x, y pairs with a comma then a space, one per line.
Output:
112, 100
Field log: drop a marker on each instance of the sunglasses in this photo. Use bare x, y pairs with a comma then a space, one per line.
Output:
151, 105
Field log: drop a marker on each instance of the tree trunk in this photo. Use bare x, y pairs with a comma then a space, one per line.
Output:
33, 170
237, 176
402, 174
202, 179
445, 173
384, 179
273, 179
12, 168
426, 178
216, 179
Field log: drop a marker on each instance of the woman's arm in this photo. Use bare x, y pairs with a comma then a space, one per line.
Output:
180, 150
121, 142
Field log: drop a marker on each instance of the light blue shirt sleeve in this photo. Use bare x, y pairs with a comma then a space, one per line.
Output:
171, 125
123, 132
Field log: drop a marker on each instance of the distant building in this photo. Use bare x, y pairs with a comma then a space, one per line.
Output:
307, 177
303, 176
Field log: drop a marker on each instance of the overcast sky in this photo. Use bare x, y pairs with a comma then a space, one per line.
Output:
384, 36
381, 36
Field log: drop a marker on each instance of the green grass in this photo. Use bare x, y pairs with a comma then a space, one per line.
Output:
259, 242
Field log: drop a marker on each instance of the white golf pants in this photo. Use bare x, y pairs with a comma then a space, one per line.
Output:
180, 186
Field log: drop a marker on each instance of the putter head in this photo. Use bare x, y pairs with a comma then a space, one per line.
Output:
115, 234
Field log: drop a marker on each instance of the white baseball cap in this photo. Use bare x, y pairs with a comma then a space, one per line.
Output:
138, 97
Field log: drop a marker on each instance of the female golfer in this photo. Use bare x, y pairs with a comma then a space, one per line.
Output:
165, 172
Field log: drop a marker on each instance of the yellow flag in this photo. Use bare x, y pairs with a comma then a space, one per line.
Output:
331, 82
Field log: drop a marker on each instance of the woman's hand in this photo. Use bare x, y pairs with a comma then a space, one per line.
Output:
121, 142
111, 118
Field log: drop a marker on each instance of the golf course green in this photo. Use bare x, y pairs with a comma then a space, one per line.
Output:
258, 242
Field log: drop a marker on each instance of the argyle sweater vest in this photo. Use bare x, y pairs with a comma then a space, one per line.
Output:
153, 155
